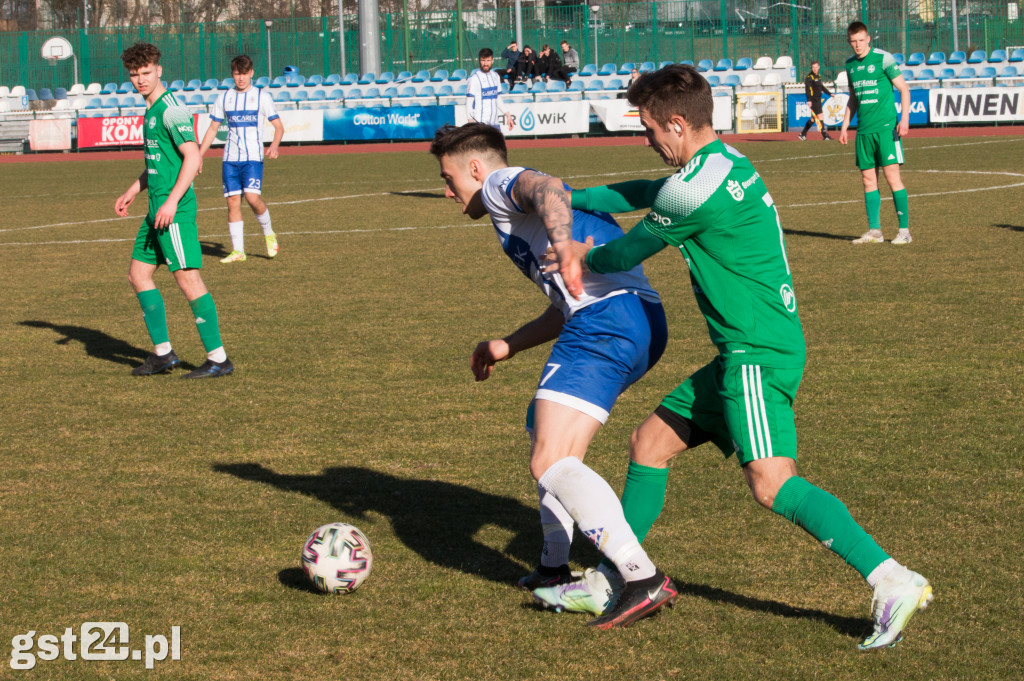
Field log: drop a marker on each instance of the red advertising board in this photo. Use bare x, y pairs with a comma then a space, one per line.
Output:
112, 131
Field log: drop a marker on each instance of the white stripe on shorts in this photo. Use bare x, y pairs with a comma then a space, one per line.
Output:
588, 408
179, 250
899, 152
757, 416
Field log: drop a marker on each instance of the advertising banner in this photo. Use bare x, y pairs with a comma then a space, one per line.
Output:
113, 131
833, 108
299, 126
385, 123
532, 119
52, 134
976, 104
618, 114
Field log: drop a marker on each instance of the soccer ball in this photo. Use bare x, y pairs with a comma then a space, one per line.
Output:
337, 558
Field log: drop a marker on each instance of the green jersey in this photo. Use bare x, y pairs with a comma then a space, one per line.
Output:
871, 82
719, 214
166, 126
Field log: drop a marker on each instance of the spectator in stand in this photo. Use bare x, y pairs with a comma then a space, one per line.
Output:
550, 65
511, 55
633, 75
526, 67
570, 60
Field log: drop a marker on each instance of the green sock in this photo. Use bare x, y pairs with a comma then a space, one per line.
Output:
899, 197
873, 204
643, 497
154, 315
826, 519
206, 321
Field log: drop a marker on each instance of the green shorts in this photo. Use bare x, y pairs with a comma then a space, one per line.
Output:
176, 245
744, 408
878, 149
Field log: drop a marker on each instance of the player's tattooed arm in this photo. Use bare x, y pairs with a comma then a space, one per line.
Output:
547, 197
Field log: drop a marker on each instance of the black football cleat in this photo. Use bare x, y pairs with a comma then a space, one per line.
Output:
211, 369
639, 599
157, 364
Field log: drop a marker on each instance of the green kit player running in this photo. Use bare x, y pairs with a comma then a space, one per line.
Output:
717, 211
169, 233
873, 74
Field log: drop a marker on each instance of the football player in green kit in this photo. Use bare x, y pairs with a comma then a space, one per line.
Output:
169, 234
717, 211
873, 73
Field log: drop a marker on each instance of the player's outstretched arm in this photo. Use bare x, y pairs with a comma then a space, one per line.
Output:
278, 136
547, 197
541, 330
125, 200
189, 168
621, 197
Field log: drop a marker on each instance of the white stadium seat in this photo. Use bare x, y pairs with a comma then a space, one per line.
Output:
763, 63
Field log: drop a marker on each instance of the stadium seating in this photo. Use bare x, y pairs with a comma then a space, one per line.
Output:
714, 80
997, 57
763, 63
915, 59
458, 74
125, 88
588, 70
385, 78
261, 82
45, 95
705, 65
60, 93
668, 63
332, 79
900, 59
608, 69
367, 79
732, 80
724, 64
743, 63
626, 68
1017, 55
421, 76
958, 57
210, 84
977, 57
646, 66
193, 85
936, 58
226, 84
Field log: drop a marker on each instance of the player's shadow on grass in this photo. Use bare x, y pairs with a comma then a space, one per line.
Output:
1012, 228
216, 249
819, 235
97, 344
421, 195
438, 520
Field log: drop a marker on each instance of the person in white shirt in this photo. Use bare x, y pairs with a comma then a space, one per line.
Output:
482, 91
244, 107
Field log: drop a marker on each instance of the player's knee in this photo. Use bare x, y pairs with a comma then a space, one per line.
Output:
542, 458
642, 450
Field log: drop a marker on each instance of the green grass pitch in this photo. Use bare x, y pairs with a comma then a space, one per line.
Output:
160, 502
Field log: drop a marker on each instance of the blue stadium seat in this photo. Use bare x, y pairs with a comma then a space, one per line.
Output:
461, 88
615, 84
538, 87
987, 72
300, 96
1017, 55
967, 72
646, 66
1008, 72
403, 76
332, 79
262, 81
668, 63
314, 80
354, 93
45, 95
439, 76
977, 57
900, 59
279, 81
915, 59
577, 86
520, 89
30, 95
926, 74
421, 76
958, 57
294, 80
210, 97
626, 68
724, 64
94, 103
608, 69
367, 79
126, 88
226, 84
445, 91
111, 103
908, 75
390, 92
745, 63
705, 65
60, 93
427, 91
193, 85
317, 95
556, 86
997, 57
732, 80
936, 58
714, 80
385, 78
407, 91
350, 79
210, 84
947, 73
109, 89
458, 74
589, 70
282, 96
594, 84
336, 93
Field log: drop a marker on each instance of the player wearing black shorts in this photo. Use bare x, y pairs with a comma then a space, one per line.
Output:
813, 88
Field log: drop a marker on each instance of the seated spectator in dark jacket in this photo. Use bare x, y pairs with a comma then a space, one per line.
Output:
553, 68
526, 67
511, 55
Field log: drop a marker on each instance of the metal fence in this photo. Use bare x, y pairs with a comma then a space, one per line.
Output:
637, 32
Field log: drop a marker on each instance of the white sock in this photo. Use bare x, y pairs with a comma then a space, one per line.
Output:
557, 524
217, 355
264, 221
882, 571
904, 231
237, 230
162, 349
596, 509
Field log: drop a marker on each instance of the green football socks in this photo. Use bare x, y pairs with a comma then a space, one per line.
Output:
205, 312
899, 198
873, 205
827, 519
155, 315
643, 497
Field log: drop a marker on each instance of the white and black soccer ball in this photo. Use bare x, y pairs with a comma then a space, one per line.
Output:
337, 558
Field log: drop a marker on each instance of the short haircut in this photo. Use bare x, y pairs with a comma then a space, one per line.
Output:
241, 64
453, 140
856, 27
139, 55
485, 52
815, 62
565, 42
677, 89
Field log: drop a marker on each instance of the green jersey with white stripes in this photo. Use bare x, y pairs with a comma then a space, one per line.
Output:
166, 126
871, 80
719, 214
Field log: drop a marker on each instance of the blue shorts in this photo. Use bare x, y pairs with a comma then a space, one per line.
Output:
246, 176
602, 350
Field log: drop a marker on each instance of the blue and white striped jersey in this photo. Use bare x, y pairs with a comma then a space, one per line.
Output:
524, 239
482, 90
244, 113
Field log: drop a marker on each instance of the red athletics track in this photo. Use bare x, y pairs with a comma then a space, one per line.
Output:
634, 140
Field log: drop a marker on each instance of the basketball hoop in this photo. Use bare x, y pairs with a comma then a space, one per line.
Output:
57, 49
52, 60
